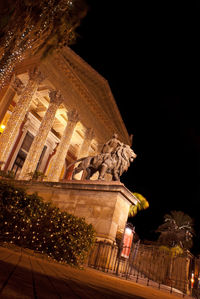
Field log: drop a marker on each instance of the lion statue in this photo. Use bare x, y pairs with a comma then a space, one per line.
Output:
114, 163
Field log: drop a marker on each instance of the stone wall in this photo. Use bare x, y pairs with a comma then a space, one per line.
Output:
103, 204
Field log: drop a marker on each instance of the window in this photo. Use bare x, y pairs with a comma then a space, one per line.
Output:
21, 156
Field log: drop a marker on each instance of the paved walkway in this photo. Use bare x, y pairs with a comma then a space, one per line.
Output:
23, 275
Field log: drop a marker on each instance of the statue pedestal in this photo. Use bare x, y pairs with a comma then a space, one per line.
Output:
103, 204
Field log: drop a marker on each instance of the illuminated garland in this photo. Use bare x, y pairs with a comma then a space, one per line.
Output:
36, 26
29, 222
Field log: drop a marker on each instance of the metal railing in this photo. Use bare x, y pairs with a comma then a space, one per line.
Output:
146, 264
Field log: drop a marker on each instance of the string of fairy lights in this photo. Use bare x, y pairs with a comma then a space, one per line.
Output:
29, 222
15, 57
19, 113
29, 33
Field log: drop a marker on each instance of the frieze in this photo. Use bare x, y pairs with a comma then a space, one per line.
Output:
82, 91
99, 87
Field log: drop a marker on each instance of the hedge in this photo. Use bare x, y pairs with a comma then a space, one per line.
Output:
30, 222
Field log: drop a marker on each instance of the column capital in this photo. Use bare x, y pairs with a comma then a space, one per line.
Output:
17, 85
36, 75
89, 134
55, 97
73, 116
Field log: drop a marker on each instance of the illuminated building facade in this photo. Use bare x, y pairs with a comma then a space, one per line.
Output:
53, 112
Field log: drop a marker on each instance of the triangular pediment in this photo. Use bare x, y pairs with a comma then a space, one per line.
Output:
98, 87
83, 89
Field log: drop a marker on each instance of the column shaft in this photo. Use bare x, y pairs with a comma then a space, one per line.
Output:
12, 94
85, 147
36, 148
59, 159
11, 131
84, 151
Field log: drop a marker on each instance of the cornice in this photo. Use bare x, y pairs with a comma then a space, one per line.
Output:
89, 84
99, 87
82, 90
87, 185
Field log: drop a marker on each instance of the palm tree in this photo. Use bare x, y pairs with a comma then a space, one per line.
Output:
142, 204
177, 230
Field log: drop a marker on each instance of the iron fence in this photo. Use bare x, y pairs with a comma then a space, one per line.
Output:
150, 265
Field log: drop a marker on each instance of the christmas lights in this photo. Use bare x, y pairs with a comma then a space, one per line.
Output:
44, 26
39, 140
63, 146
10, 133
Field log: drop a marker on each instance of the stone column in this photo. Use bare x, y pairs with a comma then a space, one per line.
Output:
99, 148
14, 91
85, 147
84, 150
11, 131
17, 85
59, 159
36, 148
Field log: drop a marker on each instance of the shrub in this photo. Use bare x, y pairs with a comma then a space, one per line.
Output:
29, 222
36, 175
9, 174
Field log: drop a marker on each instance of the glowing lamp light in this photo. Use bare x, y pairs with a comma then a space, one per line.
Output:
127, 242
192, 280
128, 231
2, 127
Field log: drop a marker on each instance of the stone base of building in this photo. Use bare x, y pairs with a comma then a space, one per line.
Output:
103, 204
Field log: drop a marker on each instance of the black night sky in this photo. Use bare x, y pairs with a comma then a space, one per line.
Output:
147, 54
